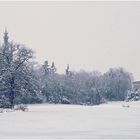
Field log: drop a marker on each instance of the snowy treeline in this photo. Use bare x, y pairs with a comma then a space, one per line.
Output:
22, 82
85, 87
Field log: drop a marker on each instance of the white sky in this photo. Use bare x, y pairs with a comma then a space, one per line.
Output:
86, 35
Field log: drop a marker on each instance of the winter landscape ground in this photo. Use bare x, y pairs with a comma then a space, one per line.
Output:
73, 121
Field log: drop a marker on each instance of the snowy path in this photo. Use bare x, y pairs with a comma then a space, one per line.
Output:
70, 121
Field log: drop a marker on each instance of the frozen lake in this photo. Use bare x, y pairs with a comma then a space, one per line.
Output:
73, 121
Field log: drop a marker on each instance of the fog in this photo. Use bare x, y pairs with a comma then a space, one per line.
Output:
86, 35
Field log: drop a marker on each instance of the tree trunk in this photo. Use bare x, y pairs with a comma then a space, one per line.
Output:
12, 97
12, 93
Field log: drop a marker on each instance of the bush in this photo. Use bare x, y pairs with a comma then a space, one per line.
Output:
65, 101
4, 102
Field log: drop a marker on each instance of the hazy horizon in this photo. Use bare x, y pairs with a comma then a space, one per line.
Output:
86, 35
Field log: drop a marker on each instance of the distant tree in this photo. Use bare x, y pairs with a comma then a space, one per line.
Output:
46, 68
49, 81
53, 68
94, 87
67, 71
117, 83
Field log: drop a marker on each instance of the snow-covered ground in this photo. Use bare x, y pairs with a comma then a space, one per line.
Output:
73, 121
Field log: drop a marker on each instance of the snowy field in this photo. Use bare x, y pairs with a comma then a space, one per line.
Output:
73, 121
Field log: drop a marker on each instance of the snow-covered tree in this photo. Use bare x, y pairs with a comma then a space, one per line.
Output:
53, 68
117, 83
16, 73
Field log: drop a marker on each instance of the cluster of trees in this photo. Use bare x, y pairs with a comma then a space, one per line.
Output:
86, 87
21, 81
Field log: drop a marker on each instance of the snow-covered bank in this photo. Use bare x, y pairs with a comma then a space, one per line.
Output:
73, 121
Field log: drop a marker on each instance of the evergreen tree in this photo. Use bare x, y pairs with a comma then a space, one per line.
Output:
53, 68
46, 68
67, 72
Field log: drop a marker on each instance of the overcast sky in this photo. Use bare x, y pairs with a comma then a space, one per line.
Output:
85, 35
